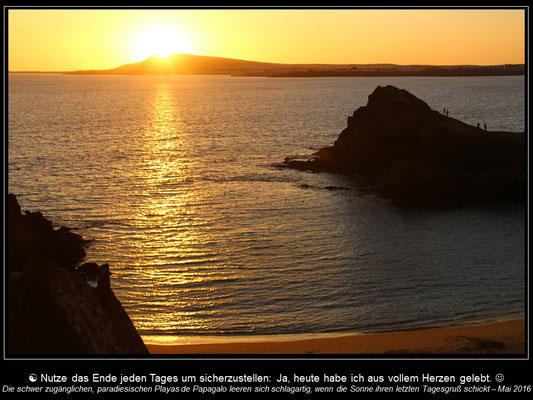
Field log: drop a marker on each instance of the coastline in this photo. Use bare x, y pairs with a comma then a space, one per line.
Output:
497, 337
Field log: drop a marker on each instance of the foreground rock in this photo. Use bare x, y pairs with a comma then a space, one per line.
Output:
419, 154
51, 308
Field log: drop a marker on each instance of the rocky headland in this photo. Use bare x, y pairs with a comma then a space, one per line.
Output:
51, 308
420, 155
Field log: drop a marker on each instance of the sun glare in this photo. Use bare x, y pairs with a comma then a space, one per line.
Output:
160, 41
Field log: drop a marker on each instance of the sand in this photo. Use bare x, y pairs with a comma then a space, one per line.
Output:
506, 337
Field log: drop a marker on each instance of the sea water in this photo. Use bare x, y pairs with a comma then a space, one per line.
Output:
174, 180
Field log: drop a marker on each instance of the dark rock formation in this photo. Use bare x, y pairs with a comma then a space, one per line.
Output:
419, 154
90, 271
31, 234
51, 309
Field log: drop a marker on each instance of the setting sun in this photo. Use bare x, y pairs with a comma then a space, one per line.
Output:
117, 37
160, 41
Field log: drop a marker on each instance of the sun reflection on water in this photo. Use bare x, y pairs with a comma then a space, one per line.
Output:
166, 219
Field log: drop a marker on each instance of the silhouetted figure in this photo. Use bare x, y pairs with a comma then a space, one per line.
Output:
485, 126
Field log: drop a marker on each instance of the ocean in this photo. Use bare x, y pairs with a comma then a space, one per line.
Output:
174, 179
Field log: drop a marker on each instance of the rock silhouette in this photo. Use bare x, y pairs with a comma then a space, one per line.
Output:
419, 154
51, 308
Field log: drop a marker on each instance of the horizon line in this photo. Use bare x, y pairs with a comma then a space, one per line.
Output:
265, 62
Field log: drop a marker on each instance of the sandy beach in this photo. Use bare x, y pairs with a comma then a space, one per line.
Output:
506, 337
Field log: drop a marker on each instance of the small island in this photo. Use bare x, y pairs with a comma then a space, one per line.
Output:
419, 155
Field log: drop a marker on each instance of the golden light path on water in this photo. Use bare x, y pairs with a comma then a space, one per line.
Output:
167, 217
156, 211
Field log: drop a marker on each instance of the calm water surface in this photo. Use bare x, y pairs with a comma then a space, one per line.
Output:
173, 179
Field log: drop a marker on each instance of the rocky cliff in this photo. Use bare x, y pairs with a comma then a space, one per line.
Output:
419, 154
51, 308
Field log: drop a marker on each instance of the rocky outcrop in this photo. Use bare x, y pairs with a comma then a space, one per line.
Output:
51, 308
419, 154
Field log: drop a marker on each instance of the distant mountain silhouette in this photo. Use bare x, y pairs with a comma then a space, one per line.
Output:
206, 65
188, 64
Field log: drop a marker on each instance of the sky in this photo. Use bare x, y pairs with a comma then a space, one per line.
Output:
74, 39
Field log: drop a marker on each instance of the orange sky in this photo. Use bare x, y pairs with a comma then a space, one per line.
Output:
59, 40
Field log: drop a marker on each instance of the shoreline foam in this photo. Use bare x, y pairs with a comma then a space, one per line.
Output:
500, 337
